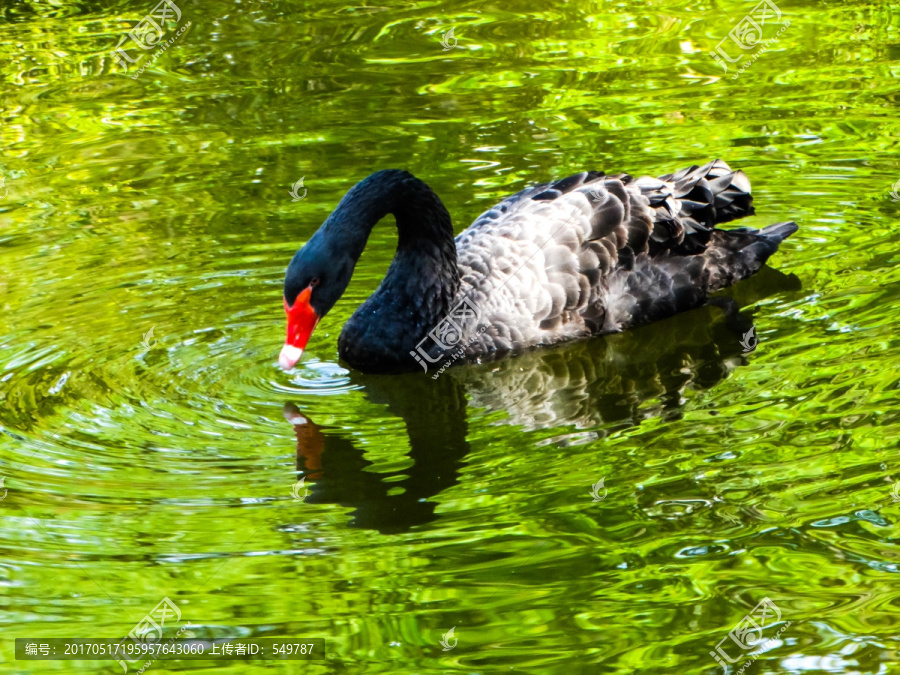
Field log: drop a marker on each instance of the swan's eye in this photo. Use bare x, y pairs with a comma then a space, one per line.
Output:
314, 282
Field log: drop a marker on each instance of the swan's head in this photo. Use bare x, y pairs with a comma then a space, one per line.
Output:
315, 280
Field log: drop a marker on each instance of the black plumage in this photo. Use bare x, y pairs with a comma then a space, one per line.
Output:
585, 255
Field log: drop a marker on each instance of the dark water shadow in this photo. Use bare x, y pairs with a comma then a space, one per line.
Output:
585, 385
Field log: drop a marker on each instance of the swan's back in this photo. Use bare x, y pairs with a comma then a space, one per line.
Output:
593, 254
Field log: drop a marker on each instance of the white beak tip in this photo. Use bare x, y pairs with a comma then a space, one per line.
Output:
289, 356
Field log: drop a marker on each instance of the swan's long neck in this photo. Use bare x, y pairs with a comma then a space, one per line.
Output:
423, 273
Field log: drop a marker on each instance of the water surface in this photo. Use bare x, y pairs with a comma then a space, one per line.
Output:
162, 202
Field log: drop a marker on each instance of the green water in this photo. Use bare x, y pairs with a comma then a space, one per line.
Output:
163, 202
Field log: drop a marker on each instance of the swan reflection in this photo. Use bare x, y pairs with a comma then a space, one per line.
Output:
582, 389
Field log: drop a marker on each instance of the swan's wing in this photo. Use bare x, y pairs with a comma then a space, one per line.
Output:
687, 205
537, 265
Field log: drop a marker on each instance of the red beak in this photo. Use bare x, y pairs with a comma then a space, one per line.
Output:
301, 320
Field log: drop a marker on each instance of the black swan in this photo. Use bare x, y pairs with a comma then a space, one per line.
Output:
587, 255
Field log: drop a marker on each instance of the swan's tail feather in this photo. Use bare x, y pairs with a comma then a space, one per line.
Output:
734, 255
655, 288
779, 231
